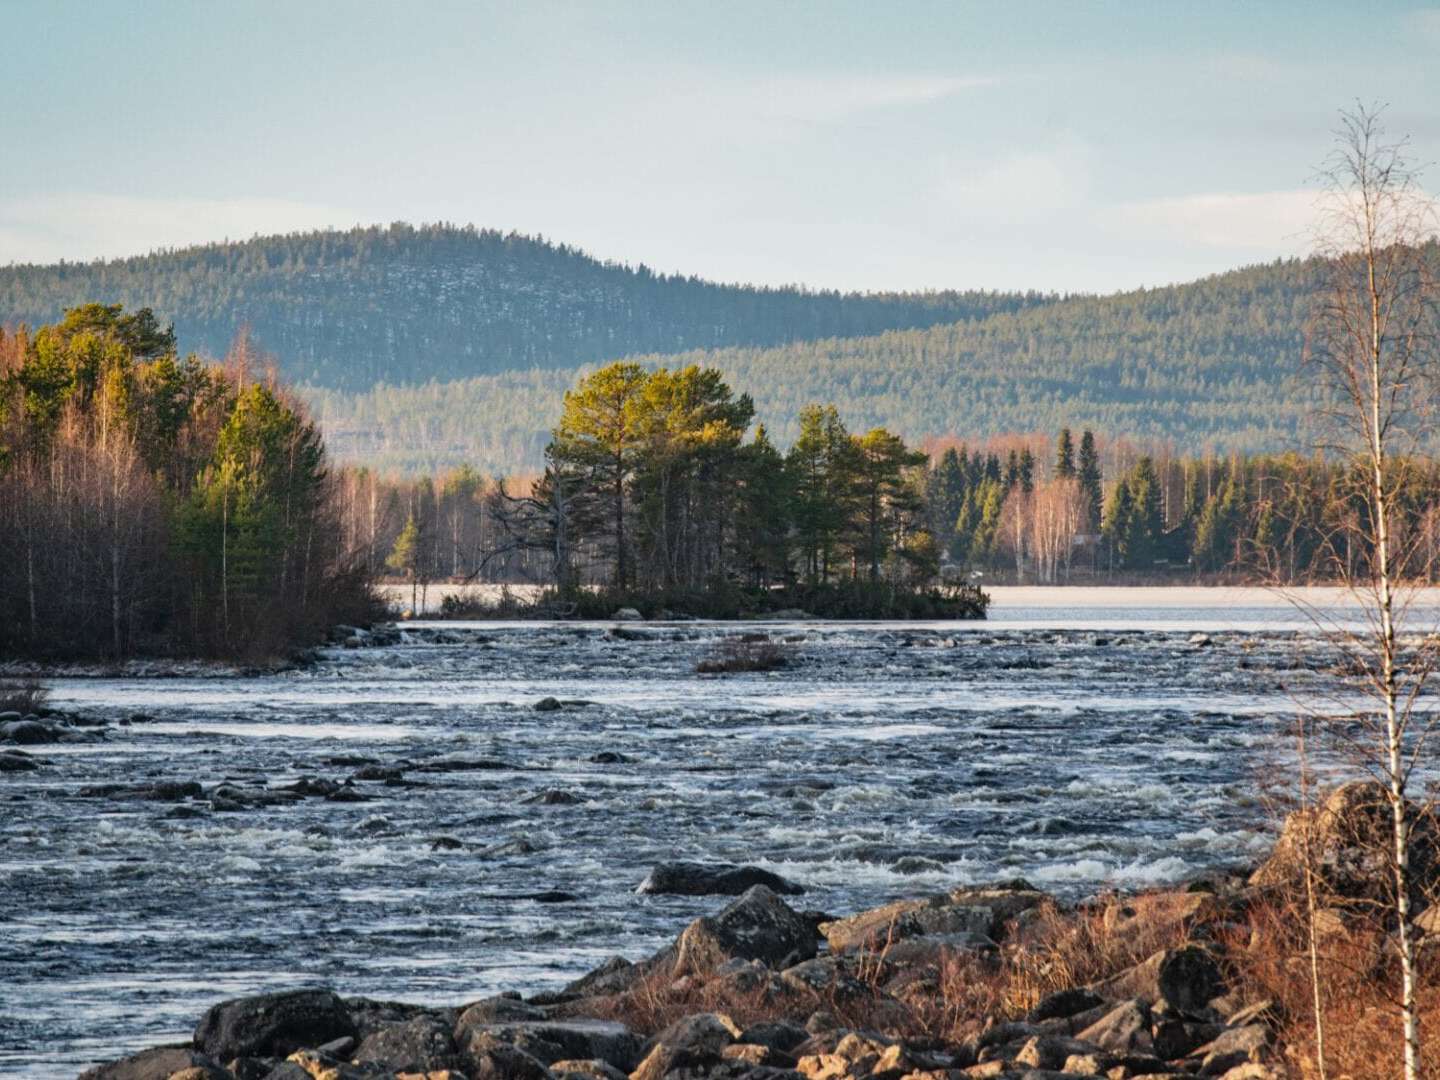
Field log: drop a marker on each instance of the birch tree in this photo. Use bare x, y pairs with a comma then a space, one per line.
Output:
1373, 345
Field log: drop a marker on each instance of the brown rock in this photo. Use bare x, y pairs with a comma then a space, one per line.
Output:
1348, 840
157, 1064
590, 1069
1185, 979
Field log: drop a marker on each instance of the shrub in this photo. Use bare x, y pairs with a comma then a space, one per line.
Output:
734, 655
23, 696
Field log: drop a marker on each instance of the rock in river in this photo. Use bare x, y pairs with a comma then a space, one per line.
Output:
712, 879
273, 1025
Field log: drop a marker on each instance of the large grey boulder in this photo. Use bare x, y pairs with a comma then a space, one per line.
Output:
712, 879
273, 1025
1347, 841
555, 1040
689, 1042
419, 1045
880, 927
1123, 1030
756, 926
1185, 979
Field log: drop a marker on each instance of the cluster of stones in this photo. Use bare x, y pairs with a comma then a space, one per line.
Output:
35, 729
1166, 1017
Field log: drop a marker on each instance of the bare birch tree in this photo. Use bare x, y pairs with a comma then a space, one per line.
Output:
1373, 346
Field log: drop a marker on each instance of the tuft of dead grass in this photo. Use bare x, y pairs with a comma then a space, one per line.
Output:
1259, 940
735, 655
23, 696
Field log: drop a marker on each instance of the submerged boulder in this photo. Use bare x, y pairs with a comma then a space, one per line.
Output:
27, 732
16, 761
712, 879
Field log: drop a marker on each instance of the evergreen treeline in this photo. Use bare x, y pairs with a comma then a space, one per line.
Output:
154, 504
704, 507
1283, 518
406, 305
1210, 363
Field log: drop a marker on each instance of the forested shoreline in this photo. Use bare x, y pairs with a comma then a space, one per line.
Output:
159, 505
154, 505
656, 486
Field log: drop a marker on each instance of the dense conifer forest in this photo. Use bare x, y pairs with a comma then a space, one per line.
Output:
404, 305
1210, 364
425, 348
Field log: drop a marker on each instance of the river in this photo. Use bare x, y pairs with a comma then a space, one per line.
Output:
1083, 739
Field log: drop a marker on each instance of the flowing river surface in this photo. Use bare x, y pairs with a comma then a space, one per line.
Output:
1075, 739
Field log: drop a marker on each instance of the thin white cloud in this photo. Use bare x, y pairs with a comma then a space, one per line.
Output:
1273, 222
1026, 186
82, 226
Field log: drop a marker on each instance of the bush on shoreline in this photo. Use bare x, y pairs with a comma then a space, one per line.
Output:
857, 600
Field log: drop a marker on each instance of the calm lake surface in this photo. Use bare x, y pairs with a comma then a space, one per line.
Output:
1081, 738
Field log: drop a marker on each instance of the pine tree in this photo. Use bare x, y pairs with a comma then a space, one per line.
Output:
600, 433
404, 557
883, 497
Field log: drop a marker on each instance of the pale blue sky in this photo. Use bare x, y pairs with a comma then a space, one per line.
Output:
1068, 145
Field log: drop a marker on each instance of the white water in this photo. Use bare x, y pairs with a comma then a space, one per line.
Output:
1079, 738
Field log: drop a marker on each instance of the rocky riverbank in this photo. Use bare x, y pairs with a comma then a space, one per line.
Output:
995, 981
766, 991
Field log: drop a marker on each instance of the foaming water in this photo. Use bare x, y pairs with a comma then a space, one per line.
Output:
1082, 751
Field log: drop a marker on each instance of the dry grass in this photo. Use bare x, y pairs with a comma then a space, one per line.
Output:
734, 655
22, 695
1262, 949
1359, 976
657, 1001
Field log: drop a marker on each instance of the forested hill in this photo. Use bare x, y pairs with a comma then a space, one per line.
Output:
405, 305
1210, 363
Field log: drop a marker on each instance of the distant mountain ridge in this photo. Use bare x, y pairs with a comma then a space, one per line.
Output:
405, 305
1214, 363
425, 348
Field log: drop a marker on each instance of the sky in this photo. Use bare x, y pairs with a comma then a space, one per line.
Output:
1069, 146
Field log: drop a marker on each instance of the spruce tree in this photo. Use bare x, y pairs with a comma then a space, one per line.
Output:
1091, 482
1064, 455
